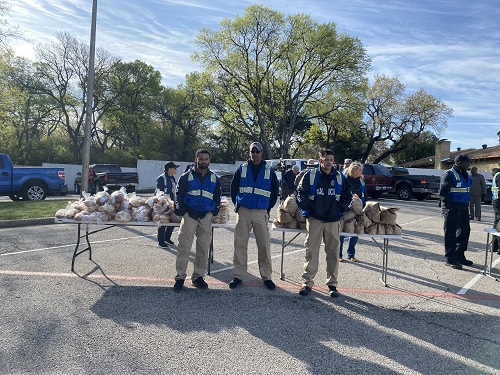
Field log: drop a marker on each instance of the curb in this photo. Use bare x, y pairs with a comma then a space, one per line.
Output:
26, 222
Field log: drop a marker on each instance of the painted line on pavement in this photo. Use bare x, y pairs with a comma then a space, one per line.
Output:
291, 287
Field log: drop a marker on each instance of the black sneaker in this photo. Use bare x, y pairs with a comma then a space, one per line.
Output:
465, 262
234, 283
162, 244
269, 284
169, 241
478, 219
333, 291
455, 265
304, 291
178, 285
200, 283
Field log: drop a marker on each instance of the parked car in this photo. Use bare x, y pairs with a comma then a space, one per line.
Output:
29, 183
488, 198
226, 177
407, 185
378, 180
111, 176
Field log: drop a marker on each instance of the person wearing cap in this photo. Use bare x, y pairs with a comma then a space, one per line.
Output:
322, 196
347, 163
254, 192
455, 196
197, 200
311, 163
288, 181
166, 182
477, 192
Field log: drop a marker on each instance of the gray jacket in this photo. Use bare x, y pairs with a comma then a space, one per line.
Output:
478, 186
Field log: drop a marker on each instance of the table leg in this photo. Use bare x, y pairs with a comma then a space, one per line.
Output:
282, 256
487, 267
79, 236
211, 252
385, 259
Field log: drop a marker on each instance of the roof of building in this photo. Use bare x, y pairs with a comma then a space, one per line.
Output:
474, 154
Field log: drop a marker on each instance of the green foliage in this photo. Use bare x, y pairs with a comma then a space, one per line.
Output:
420, 148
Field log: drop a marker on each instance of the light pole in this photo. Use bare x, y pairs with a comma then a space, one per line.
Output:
88, 108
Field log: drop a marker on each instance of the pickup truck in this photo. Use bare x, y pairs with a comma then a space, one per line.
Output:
29, 183
111, 176
378, 180
407, 185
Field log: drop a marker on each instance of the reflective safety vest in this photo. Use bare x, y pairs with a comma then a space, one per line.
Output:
363, 189
313, 175
460, 189
200, 196
255, 194
166, 183
494, 187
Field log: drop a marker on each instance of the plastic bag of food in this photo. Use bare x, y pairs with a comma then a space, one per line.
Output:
349, 226
290, 205
388, 215
123, 217
357, 205
283, 216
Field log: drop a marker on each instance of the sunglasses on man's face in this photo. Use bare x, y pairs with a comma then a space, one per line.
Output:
255, 151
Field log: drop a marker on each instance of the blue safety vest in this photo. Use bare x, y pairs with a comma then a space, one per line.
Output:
460, 189
313, 175
200, 196
494, 187
254, 194
166, 183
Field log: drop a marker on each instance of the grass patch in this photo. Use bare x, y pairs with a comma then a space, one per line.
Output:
31, 209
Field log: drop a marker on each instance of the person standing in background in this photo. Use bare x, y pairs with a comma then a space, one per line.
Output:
355, 181
288, 182
166, 182
454, 192
477, 192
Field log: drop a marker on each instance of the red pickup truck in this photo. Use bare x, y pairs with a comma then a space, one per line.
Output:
378, 180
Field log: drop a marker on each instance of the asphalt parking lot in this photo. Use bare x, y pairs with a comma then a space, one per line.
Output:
117, 313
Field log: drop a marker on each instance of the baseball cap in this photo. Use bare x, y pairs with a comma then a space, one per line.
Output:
257, 145
461, 157
170, 164
312, 163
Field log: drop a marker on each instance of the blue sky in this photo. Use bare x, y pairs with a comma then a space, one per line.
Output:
451, 48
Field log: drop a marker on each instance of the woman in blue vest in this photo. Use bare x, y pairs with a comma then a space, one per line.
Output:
166, 182
455, 196
355, 182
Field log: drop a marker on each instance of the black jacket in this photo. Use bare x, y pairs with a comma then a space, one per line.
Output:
325, 206
445, 187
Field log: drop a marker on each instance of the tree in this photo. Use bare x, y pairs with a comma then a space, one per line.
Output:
6, 31
394, 119
62, 75
423, 146
265, 67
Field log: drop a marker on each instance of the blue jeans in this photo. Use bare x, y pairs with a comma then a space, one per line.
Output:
350, 250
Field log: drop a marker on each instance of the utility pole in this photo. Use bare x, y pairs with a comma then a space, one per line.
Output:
88, 108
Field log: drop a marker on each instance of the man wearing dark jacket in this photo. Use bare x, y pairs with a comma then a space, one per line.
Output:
455, 197
254, 191
322, 196
197, 200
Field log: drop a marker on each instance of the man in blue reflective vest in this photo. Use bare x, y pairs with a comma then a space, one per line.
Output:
455, 196
322, 196
166, 183
254, 191
197, 201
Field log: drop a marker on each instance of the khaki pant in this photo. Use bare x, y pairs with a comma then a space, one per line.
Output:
246, 220
203, 230
475, 206
330, 234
